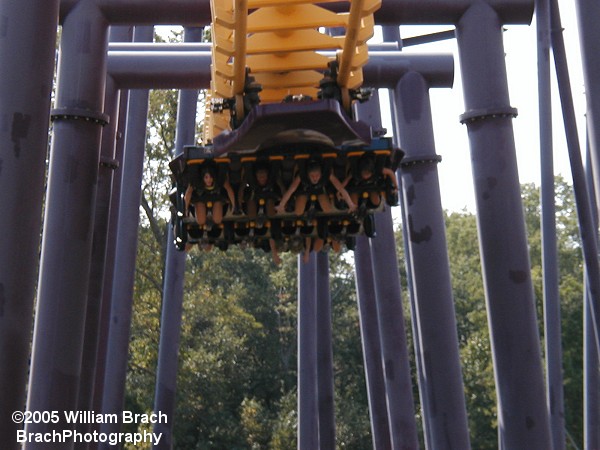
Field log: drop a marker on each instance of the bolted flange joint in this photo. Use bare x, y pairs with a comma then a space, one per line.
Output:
475, 115
79, 114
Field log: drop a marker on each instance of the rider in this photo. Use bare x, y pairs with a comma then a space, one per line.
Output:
205, 192
366, 180
314, 183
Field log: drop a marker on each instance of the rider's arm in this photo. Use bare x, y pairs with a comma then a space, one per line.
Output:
286, 197
342, 190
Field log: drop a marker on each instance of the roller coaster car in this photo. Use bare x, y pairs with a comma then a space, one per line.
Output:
283, 140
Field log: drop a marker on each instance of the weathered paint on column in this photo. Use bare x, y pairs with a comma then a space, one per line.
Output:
390, 317
325, 381
69, 217
522, 412
371, 345
110, 259
552, 325
447, 422
99, 241
308, 413
27, 34
588, 15
172, 304
126, 252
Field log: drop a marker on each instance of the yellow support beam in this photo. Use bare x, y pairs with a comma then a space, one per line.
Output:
279, 42
240, 14
359, 9
254, 4
222, 13
292, 41
291, 17
298, 78
286, 62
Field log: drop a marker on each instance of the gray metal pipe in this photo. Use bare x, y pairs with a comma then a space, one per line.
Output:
28, 35
591, 381
390, 317
394, 345
191, 69
588, 15
160, 70
392, 12
591, 372
371, 345
447, 419
147, 12
308, 413
204, 46
126, 251
384, 68
172, 304
93, 318
99, 245
325, 381
522, 412
69, 218
104, 320
416, 331
585, 214
552, 325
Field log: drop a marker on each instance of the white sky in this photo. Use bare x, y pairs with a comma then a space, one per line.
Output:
521, 59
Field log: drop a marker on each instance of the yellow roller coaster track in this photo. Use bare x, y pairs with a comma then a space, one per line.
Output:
278, 42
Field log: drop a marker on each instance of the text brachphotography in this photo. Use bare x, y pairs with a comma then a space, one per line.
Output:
61, 436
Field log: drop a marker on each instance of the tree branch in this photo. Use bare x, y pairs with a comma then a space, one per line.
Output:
154, 225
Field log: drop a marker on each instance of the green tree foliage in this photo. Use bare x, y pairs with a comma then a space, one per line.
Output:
570, 292
472, 319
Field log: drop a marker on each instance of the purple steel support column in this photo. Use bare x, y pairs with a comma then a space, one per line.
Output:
69, 218
394, 346
308, 413
371, 345
591, 372
325, 379
110, 256
390, 317
108, 166
416, 331
126, 251
170, 323
392, 33
591, 382
522, 411
99, 244
447, 419
588, 17
552, 327
587, 228
27, 34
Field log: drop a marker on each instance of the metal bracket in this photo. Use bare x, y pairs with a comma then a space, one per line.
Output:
492, 113
409, 161
79, 114
109, 163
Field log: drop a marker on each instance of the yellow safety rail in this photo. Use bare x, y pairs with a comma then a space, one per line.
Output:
279, 42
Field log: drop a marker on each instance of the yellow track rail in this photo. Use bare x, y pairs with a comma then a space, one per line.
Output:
279, 41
